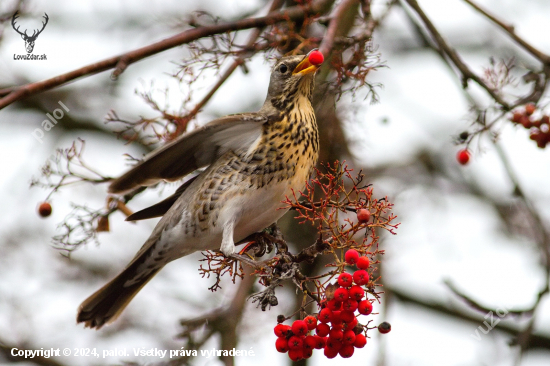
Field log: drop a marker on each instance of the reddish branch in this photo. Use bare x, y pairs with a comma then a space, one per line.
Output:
122, 61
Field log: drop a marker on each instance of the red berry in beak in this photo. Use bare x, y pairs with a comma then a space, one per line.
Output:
316, 58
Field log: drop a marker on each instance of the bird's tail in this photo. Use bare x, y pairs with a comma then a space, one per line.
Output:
106, 304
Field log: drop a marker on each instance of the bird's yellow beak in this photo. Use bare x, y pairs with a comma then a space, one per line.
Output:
305, 67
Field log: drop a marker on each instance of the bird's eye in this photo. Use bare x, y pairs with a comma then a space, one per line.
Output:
283, 68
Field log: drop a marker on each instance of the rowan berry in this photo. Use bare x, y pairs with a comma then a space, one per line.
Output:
351, 256
363, 263
349, 337
341, 294
322, 330
330, 352
281, 330
365, 307
530, 109
384, 327
281, 344
361, 277
360, 340
45, 209
463, 156
345, 279
346, 351
299, 328
295, 342
363, 215
356, 292
316, 57
350, 305
324, 315
336, 334
311, 322
309, 342
296, 354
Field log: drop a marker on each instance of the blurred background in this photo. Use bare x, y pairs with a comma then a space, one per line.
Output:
472, 241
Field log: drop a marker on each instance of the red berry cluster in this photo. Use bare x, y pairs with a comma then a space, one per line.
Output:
343, 334
539, 128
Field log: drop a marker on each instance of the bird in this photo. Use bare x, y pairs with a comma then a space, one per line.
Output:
250, 162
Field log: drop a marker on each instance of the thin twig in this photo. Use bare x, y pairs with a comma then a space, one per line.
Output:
467, 74
511, 31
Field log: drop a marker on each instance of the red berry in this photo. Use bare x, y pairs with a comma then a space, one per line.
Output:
341, 294
545, 120
324, 315
346, 316
356, 292
363, 215
281, 330
351, 256
307, 352
330, 352
346, 351
384, 327
349, 337
363, 263
334, 344
334, 304
335, 318
45, 209
349, 305
530, 109
309, 342
319, 342
295, 342
352, 323
345, 280
299, 328
364, 307
322, 330
463, 156
360, 340
516, 117
336, 334
311, 322
526, 122
316, 57
296, 354
361, 277
281, 344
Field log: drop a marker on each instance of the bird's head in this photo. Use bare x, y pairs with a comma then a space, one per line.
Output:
292, 78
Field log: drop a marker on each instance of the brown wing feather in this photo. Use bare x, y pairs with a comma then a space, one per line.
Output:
192, 151
159, 209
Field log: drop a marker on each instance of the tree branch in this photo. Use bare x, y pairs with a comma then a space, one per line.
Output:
467, 74
122, 61
511, 32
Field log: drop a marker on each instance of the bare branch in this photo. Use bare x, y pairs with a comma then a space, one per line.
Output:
121, 61
511, 31
467, 74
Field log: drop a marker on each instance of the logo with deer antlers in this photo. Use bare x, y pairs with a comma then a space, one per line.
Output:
29, 40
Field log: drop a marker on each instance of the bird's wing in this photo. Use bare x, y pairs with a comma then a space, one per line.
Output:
193, 150
159, 209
